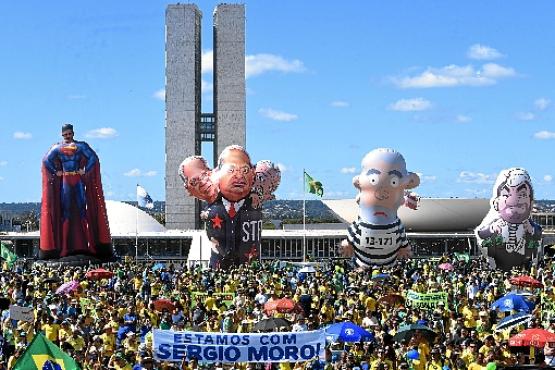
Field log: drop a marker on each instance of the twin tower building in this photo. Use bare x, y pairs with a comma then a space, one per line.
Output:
187, 127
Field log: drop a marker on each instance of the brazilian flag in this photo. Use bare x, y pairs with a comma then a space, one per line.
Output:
7, 254
42, 354
313, 186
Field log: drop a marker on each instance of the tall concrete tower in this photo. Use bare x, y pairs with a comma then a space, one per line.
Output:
186, 126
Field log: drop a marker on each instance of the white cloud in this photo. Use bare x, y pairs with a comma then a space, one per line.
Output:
461, 118
454, 75
339, 104
348, 170
544, 135
102, 133
135, 172
542, 103
483, 52
526, 116
19, 135
277, 115
476, 177
258, 64
426, 178
160, 94
282, 167
206, 87
495, 71
3, 163
410, 105
206, 61
1, 178
547, 178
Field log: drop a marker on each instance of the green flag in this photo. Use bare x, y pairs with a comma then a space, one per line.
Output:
313, 186
7, 254
42, 353
462, 257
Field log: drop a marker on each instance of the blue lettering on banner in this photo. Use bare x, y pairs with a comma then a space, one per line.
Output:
250, 347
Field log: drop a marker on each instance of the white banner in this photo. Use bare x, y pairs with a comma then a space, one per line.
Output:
22, 313
238, 347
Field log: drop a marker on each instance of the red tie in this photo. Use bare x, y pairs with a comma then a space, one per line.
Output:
231, 211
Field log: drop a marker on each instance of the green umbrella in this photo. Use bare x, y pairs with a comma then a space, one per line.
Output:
406, 332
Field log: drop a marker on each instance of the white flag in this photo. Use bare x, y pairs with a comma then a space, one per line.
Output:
143, 198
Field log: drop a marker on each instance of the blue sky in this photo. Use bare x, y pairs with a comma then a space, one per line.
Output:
461, 89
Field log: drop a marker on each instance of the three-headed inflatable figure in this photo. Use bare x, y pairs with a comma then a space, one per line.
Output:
235, 191
378, 237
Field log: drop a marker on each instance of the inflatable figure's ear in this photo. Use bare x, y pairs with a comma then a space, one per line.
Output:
356, 182
412, 180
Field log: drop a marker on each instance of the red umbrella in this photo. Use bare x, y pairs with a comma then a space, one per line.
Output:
532, 337
98, 274
525, 280
163, 304
283, 305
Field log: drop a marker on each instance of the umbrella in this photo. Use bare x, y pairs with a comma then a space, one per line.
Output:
52, 280
67, 287
408, 331
98, 274
158, 266
308, 269
283, 305
532, 337
511, 302
392, 299
525, 280
348, 332
510, 322
163, 304
380, 276
271, 324
446, 266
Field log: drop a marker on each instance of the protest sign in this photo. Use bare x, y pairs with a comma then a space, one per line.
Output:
174, 346
22, 313
425, 300
227, 298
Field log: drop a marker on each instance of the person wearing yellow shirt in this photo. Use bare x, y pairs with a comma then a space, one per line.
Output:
51, 329
370, 303
108, 341
478, 364
76, 341
210, 301
65, 332
470, 354
436, 362
327, 312
469, 313
117, 362
380, 359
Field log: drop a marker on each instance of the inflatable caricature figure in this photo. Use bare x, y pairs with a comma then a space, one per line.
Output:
234, 190
378, 237
507, 235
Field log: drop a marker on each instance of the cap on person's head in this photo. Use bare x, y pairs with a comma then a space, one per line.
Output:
147, 360
67, 127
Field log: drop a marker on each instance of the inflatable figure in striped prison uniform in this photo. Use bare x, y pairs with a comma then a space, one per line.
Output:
378, 237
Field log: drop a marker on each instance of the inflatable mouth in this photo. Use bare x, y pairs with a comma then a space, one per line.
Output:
380, 213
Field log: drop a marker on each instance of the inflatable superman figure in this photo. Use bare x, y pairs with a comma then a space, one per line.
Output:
74, 221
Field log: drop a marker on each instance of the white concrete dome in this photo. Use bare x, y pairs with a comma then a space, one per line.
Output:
123, 219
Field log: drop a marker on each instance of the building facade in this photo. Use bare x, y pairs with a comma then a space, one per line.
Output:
186, 126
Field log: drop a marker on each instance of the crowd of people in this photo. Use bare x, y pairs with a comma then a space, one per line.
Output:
107, 323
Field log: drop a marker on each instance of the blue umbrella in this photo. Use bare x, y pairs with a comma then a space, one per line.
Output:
511, 302
380, 276
510, 322
348, 332
158, 266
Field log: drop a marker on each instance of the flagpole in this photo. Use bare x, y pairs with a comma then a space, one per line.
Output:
137, 227
304, 215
